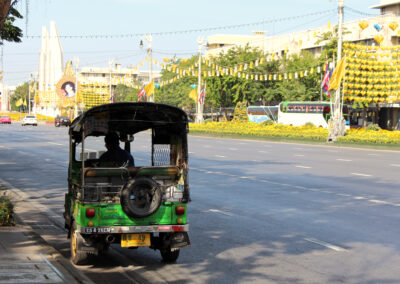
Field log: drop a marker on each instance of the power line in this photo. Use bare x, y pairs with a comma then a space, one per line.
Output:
347, 8
199, 30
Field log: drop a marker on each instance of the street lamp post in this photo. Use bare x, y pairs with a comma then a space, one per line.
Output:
149, 39
337, 125
199, 111
29, 94
76, 61
111, 63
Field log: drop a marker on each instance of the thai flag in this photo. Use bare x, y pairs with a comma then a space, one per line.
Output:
142, 95
202, 96
326, 78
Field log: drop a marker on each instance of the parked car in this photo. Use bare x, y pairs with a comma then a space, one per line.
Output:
62, 120
29, 120
5, 119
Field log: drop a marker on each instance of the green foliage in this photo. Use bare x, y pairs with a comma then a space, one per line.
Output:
6, 211
11, 32
374, 127
309, 124
240, 112
125, 94
22, 91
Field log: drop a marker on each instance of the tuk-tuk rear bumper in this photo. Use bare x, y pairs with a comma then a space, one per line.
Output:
133, 229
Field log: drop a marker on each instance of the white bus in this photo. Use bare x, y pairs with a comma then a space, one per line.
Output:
262, 113
299, 113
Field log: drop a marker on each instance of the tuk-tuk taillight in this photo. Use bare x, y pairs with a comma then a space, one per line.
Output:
180, 210
90, 212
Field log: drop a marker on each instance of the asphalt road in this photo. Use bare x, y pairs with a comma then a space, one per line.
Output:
261, 212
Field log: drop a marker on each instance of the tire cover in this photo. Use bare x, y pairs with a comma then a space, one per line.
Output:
141, 197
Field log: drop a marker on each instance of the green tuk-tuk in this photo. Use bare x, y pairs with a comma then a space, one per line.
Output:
133, 206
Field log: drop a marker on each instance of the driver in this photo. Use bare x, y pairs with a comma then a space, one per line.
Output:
115, 156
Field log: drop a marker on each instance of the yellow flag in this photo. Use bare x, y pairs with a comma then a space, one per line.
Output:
193, 94
24, 103
19, 102
149, 89
337, 75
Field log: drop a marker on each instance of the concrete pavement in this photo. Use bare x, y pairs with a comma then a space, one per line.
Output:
27, 258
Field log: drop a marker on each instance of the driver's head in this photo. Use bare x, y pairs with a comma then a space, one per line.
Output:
111, 139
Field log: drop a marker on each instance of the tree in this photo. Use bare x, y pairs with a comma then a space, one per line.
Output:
9, 32
21, 92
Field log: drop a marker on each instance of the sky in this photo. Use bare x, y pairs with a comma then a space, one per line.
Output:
109, 18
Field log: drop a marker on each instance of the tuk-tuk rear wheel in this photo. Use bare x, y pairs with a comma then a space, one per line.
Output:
78, 257
169, 256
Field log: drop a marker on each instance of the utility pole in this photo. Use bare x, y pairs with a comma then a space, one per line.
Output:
29, 95
199, 111
337, 125
149, 39
110, 63
76, 61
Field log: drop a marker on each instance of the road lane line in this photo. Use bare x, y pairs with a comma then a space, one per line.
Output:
359, 197
373, 154
344, 160
233, 149
378, 201
53, 143
298, 155
395, 165
325, 244
220, 156
303, 167
219, 211
262, 151
361, 175
7, 163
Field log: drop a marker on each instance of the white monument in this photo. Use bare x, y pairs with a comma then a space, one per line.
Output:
50, 71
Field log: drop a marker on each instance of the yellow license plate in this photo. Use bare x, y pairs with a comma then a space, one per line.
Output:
135, 240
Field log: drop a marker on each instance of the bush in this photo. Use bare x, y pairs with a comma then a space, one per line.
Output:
6, 211
268, 122
374, 127
309, 124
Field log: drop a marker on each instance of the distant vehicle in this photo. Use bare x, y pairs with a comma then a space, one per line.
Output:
29, 120
5, 119
300, 113
62, 120
262, 113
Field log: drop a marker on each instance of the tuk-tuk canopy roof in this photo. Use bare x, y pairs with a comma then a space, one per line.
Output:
128, 118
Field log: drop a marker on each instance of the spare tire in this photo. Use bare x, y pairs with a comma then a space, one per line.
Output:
141, 197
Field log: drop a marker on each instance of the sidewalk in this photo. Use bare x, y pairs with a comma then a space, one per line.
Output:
25, 257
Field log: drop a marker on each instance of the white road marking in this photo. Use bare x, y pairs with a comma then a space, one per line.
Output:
191, 152
359, 197
373, 154
220, 156
395, 165
7, 163
298, 148
233, 149
378, 201
325, 244
343, 160
53, 143
262, 151
47, 160
219, 211
255, 160
5, 147
303, 167
23, 153
298, 155
361, 175
333, 151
